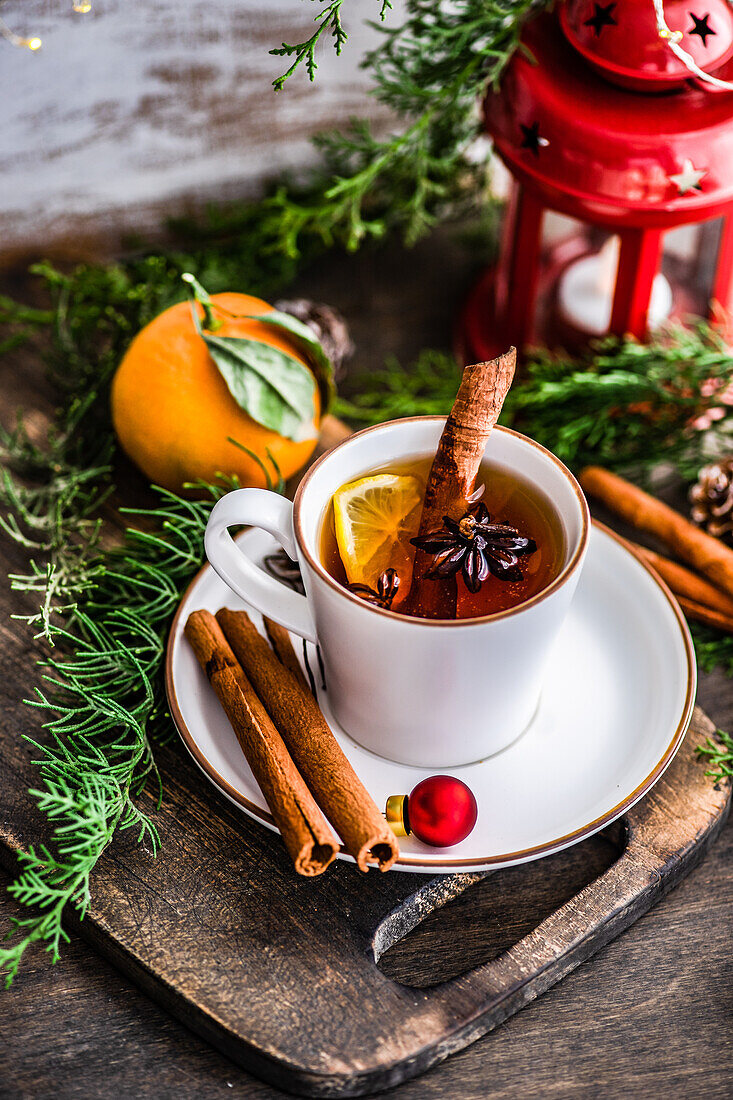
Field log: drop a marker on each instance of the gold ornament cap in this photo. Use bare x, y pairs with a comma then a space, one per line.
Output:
396, 814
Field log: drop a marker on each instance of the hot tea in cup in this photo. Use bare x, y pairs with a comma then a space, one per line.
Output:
510, 548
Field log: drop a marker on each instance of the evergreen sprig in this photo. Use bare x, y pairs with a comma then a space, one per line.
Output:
718, 752
328, 19
631, 406
102, 699
426, 387
714, 650
430, 72
52, 494
622, 404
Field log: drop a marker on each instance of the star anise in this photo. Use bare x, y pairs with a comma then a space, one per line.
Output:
477, 547
385, 592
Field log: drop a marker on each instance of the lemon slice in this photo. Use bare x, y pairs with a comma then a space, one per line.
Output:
375, 519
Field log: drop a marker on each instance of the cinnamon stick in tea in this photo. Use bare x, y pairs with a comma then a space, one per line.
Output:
304, 830
476, 409
329, 775
700, 550
685, 583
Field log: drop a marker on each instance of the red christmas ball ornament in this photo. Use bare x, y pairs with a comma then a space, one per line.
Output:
440, 811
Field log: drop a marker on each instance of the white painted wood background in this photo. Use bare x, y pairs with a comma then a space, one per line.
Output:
142, 108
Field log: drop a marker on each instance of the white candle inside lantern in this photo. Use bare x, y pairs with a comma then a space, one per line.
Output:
585, 292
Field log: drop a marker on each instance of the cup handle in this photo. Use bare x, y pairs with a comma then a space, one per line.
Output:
273, 513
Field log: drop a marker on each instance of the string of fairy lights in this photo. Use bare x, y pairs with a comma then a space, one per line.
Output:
671, 39
33, 42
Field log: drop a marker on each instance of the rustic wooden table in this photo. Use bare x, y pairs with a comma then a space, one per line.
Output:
651, 1014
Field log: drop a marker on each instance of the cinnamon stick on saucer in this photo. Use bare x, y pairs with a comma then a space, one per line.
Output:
329, 775
708, 616
304, 830
476, 409
686, 584
283, 647
644, 512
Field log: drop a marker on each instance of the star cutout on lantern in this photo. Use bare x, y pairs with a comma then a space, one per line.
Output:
688, 179
601, 18
531, 138
701, 27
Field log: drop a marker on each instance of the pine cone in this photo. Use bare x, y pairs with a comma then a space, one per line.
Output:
712, 498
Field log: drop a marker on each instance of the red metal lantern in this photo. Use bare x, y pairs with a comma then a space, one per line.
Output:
598, 121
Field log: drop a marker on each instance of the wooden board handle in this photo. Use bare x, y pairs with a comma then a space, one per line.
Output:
667, 833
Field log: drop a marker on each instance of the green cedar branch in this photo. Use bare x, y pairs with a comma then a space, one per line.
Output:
718, 752
430, 72
327, 19
622, 404
103, 699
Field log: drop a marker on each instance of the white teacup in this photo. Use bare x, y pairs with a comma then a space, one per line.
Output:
431, 693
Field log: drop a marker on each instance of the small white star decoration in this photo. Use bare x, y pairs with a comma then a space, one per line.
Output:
688, 179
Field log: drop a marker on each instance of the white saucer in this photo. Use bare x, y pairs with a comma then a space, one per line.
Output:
617, 702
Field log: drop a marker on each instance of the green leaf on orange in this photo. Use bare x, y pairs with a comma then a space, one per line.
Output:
311, 347
273, 388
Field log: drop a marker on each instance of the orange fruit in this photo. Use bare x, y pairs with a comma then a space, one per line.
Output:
172, 410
